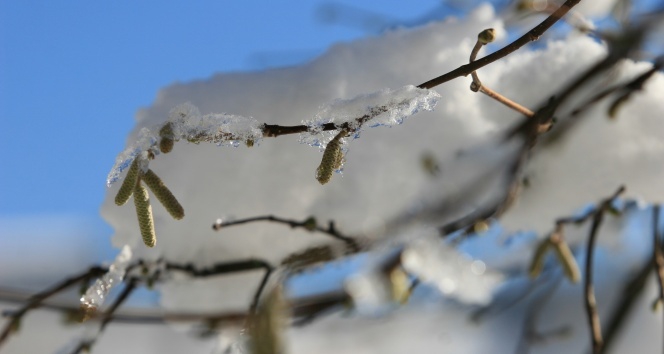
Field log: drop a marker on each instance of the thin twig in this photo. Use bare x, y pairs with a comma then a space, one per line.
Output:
270, 130
658, 256
309, 224
230, 267
478, 86
530, 36
36, 300
589, 293
107, 316
631, 292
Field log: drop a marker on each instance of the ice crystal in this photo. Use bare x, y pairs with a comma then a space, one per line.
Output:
187, 123
387, 107
96, 294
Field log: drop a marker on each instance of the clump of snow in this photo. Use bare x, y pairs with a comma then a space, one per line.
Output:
453, 274
223, 129
95, 296
187, 123
387, 107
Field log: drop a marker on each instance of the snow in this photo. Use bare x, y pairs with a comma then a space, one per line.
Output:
186, 123
456, 276
96, 294
384, 181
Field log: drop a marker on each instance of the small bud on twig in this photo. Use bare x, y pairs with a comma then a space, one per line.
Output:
487, 36
167, 138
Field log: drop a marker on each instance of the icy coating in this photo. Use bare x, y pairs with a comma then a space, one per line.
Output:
188, 124
455, 275
95, 295
386, 107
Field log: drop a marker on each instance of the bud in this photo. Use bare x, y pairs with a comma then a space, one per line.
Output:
487, 36
163, 194
144, 214
167, 138
310, 224
127, 187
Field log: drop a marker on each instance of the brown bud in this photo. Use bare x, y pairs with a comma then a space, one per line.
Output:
167, 138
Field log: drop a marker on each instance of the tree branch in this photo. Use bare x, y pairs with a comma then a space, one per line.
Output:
309, 224
270, 130
589, 293
36, 300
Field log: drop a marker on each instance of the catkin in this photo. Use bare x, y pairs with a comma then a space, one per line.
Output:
167, 138
332, 159
537, 264
266, 326
567, 261
163, 194
144, 213
127, 187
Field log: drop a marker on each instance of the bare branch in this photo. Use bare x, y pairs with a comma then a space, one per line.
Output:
270, 130
589, 293
36, 300
309, 224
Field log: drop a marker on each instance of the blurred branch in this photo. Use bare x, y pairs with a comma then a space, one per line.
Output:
107, 316
229, 267
309, 224
36, 300
589, 294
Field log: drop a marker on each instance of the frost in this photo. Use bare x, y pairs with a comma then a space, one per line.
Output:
456, 276
222, 129
95, 295
383, 108
188, 124
145, 142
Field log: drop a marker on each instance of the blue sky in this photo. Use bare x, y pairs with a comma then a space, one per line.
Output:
73, 73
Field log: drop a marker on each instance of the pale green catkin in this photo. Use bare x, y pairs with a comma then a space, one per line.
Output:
127, 187
267, 325
567, 261
163, 194
537, 263
144, 213
332, 159
167, 138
